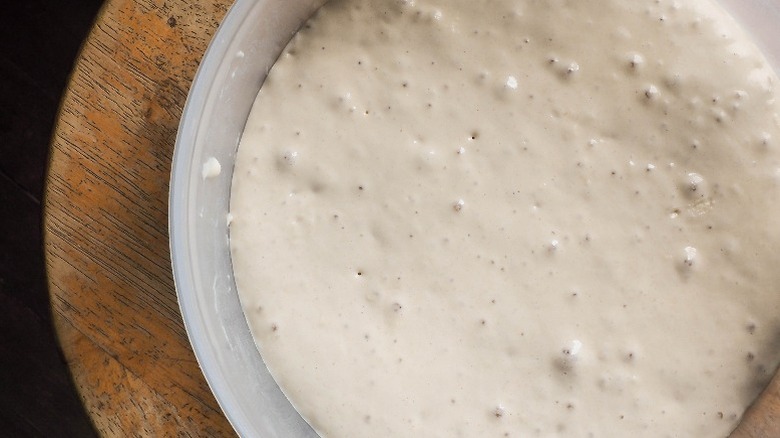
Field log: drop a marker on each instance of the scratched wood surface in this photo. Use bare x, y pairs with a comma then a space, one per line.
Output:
106, 238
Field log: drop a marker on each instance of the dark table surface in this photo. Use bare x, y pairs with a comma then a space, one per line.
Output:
39, 41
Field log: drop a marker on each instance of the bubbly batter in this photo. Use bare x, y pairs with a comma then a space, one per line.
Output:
490, 218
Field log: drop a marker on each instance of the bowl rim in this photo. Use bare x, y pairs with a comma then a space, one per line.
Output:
179, 225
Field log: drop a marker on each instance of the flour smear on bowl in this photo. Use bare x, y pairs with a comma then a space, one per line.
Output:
514, 218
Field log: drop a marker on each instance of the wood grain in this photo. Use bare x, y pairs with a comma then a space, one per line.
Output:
762, 420
106, 237
113, 300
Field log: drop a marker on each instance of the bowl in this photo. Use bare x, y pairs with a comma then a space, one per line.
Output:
250, 38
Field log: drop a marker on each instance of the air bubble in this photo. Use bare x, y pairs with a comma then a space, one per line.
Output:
636, 61
651, 92
573, 349
690, 255
694, 181
288, 159
766, 139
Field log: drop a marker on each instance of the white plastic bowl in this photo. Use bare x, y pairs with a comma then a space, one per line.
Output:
251, 37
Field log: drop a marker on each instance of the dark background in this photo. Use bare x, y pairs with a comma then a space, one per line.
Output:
39, 43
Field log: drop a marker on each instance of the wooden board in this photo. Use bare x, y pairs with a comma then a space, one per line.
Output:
106, 235
106, 230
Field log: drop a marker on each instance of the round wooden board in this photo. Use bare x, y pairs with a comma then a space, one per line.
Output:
106, 221
106, 232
